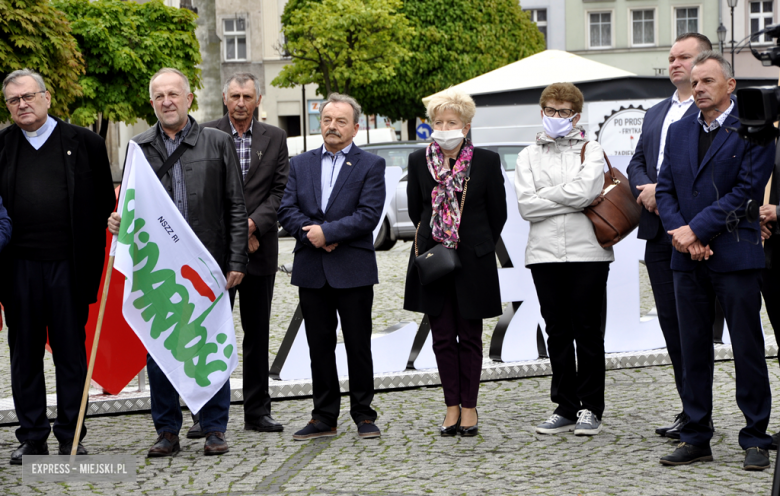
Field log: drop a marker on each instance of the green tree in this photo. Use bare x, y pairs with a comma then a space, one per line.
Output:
124, 44
35, 35
340, 44
455, 40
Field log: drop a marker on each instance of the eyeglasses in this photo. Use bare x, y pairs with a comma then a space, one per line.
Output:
27, 97
565, 113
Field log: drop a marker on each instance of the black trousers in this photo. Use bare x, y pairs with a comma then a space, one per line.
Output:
658, 260
43, 298
320, 308
770, 288
256, 293
571, 295
739, 293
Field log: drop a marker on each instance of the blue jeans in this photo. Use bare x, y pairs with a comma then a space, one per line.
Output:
166, 410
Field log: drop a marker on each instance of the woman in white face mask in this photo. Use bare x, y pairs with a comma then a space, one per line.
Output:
554, 183
439, 178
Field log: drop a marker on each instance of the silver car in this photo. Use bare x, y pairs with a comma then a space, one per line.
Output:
397, 225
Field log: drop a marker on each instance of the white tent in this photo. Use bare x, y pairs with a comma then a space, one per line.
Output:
538, 71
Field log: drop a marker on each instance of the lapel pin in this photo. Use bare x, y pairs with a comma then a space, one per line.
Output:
349, 164
68, 152
259, 155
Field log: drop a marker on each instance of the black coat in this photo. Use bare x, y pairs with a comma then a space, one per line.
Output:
476, 283
90, 195
215, 197
264, 185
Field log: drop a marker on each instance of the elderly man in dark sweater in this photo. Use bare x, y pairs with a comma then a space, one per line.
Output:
55, 180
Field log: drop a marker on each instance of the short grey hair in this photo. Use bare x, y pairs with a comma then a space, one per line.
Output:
169, 70
706, 55
242, 78
338, 97
11, 78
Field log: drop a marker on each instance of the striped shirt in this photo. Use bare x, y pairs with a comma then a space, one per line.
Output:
179, 186
243, 147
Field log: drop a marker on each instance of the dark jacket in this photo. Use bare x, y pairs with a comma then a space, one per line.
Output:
263, 190
215, 201
642, 168
350, 217
90, 194
709, 197
476, 284
5, 226
772, 245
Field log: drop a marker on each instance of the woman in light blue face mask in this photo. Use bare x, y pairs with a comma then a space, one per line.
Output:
554, 182
440, 177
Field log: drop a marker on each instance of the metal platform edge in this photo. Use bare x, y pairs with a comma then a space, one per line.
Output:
131, 400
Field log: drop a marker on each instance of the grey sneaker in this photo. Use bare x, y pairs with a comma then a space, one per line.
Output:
587, 424
555, 424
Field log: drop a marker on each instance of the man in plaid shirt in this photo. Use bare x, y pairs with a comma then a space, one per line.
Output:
262, 153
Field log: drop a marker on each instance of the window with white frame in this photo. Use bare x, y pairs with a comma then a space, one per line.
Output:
642, 27
234, 33
761, 16
600, 24
687, 20
539, 16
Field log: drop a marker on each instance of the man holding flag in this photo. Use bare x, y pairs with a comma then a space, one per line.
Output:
199, 170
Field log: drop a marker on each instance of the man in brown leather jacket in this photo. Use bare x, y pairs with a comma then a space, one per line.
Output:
205, 184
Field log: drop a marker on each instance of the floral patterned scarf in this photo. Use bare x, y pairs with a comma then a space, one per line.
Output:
445, 219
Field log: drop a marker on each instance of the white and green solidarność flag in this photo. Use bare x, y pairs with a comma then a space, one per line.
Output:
174, 298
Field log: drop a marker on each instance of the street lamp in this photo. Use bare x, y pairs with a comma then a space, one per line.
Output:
732, 4
721, 36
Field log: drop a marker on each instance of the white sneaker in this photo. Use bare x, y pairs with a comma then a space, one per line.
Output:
555, 424
587, 424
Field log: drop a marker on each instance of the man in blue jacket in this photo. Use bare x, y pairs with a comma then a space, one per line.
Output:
708, 179
5, 226
643, 175
332, 203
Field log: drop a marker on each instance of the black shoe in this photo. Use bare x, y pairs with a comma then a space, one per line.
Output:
67, 447
686, 454
756, 459
313, 429
29, 448
451, 430
471, 430
266, 423
775, 440
675, 433
215, 444
167, 444
195, 432
679, 419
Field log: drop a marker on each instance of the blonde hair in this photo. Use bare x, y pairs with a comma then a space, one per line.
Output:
451, 99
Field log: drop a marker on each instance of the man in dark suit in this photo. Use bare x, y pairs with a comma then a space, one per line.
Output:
55, 179
642, 175
708, 180
332, 203
262, 153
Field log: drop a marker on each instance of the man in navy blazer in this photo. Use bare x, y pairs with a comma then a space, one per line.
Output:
708, 177
642, 175
332, 203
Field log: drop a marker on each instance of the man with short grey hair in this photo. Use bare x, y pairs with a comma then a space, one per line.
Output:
55, 181
709, 179
204, 183
332, 203
262, 153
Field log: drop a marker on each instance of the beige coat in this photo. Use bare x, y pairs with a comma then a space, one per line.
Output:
553, 187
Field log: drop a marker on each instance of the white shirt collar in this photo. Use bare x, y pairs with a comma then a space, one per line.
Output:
718, 122
676, 99
41, 131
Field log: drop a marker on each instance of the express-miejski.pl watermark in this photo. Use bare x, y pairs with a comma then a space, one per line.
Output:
87, 468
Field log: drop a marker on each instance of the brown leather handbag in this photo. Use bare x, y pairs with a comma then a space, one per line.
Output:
615, 212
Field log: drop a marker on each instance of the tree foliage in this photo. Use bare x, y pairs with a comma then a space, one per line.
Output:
340, 44
35, 35
455, 40
124, 44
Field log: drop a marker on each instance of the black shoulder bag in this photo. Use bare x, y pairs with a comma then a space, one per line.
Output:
439, 260
166, 166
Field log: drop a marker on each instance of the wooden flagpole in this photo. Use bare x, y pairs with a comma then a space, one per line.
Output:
93, 353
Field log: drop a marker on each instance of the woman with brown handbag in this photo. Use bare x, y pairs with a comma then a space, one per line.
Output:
457, 199
554, 184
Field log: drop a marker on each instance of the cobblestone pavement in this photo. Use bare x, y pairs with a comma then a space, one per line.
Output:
506, 458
